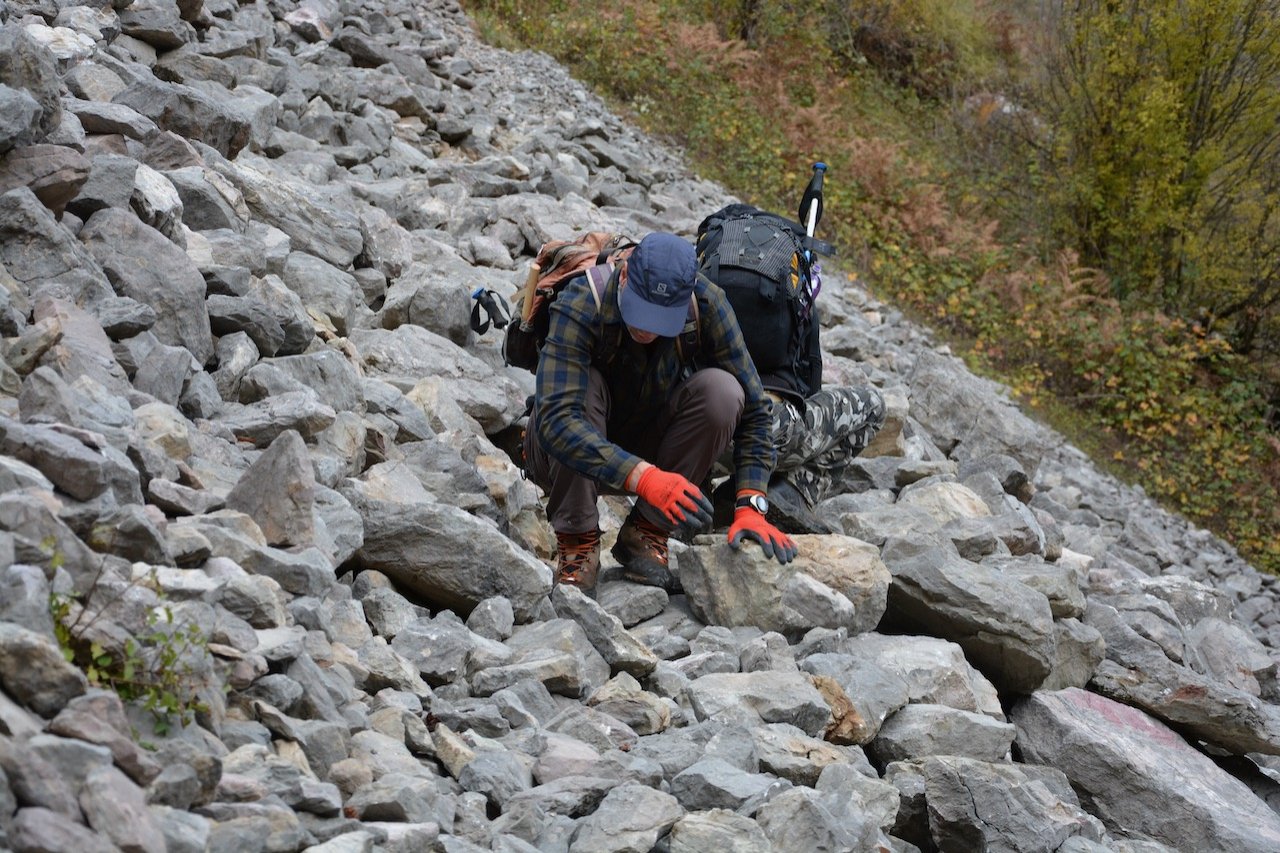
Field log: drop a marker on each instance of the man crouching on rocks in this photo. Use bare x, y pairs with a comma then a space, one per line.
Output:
622, 405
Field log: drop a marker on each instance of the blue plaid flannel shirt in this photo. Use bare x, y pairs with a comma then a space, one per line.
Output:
577, 334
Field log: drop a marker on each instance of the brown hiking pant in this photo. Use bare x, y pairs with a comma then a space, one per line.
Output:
693, 428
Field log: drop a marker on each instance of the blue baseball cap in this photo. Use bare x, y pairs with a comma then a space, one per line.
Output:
660, 276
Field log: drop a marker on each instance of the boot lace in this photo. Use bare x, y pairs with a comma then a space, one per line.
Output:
653, 539
577, 551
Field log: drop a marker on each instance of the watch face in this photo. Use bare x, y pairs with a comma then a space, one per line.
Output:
760, 504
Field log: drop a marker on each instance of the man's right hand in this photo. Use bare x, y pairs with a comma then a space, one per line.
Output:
680, 501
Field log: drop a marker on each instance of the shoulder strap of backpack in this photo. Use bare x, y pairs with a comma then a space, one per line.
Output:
690, 338
598, 277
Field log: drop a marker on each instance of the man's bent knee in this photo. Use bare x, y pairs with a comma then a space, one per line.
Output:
720, 394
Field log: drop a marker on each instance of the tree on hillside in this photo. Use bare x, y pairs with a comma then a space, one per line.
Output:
1162, 154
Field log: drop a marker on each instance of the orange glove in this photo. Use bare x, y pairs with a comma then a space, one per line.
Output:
748, 523
680, 501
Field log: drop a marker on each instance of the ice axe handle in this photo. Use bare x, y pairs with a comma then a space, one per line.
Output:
526, 297
811, 201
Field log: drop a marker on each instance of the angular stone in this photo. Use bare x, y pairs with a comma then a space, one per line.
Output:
325, 231
108, 118
1060, 582
146, 266
498, 774
717, 829
1138, 672
800, 819
33, 671
978, 806
38, 781
32, 67
19, 117
429, 295
752, 698
492, 618
326, 290
622, 698
556, 652
728, 587
715, 784
1079, 650
263, 422
117, 808
231, 314
787, 752
599, 730
439, 648
396, 797
405, 355
196, 114
42, 256
278, 492
164, 372
631, 817
54, 173
971, 417
37, 828
620, 650
1004, 626
1137, 774
919, 730
443, 555
632, 603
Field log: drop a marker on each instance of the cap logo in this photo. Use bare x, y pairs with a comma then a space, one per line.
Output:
660, 287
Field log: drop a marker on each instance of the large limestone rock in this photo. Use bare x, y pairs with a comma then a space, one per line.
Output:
1140, 776
1004, 626
970, 417
835, 582
1138, 672
143, 265
42, 256
441, 554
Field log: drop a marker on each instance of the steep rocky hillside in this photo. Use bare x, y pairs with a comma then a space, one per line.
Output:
252, 469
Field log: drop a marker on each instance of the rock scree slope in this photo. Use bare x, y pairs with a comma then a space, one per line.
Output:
238, 387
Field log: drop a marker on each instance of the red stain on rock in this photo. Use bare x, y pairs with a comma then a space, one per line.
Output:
1123, 716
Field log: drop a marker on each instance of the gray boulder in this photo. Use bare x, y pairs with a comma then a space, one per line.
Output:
836, 582
1004, 626
143, 265
1138, 775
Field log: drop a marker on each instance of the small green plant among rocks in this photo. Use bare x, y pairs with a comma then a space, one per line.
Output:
154, 670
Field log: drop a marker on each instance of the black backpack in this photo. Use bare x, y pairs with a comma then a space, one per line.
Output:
759, 260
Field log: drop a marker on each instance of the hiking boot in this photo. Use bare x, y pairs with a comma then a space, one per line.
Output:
790, 512
641, 549
578, 560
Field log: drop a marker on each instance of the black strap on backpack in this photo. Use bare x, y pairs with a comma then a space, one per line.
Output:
495, 308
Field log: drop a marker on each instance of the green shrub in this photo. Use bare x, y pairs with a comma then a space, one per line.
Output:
154, 670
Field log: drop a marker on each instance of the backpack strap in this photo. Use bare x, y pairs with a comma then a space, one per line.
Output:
598, 277
690, 337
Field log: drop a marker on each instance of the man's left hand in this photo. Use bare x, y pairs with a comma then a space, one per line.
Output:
749, 524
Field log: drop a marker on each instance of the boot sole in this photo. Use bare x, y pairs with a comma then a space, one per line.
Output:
647, 571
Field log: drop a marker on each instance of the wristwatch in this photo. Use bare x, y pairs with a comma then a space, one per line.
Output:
757, 502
